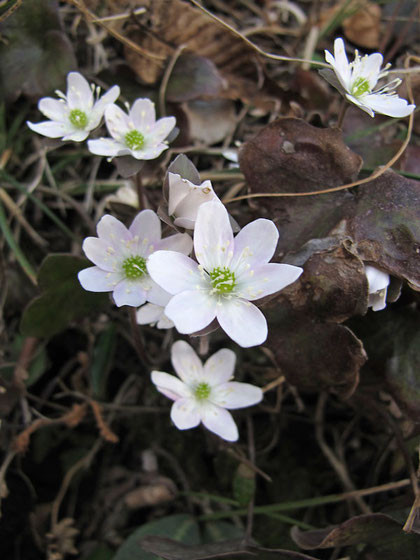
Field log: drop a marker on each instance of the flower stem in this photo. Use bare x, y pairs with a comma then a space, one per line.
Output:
140, 192
138, 341
343, 110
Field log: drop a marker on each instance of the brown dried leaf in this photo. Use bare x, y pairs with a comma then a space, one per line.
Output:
364, 27
290, 155
316, 356
386, 225
209, 122
333, 286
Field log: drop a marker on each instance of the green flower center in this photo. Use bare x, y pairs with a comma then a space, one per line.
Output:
223, 280
134, 267
134, 140
360, 86
202, 391
78, 118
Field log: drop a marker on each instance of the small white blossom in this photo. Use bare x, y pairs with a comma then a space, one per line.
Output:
75, 114
137, 133
378, 282
125, 195
204, 392
185, 198
230, 273
357, 81
120, 256
154, 315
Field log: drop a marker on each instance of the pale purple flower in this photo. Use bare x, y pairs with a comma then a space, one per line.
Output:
204, 392
75, 114
185, 198
357, 81
229, 275
378, 282
137, 133
120, 256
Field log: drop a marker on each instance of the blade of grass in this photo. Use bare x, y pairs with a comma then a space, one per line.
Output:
35, 200
310, 502
20, 257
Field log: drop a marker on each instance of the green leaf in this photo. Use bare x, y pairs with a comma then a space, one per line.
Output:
36, 55
63, 299
101, 552
181, 527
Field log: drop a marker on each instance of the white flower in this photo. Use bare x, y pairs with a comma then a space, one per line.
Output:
185, 198
378, 282
154, 315
357, 80
231, 273
125, 195
138, 134
74, 115
120, 256
204, 392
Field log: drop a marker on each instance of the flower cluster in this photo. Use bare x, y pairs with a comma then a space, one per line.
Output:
74, 115
219, 284
357, 81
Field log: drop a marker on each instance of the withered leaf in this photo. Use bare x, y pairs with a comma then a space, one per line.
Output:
192, 77
316, 356
290, 155
333, 286
377, 529
386, 225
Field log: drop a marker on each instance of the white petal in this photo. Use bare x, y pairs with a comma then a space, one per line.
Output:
143, 115
188, 208
369, 68
79, 92
157, 295
219, 421
377, 279
265, 280
341, 65
390, 105
99, 107
51, 129
236, 395
180, 242
105, 147
377, 301
219, 367
129, 293
149, 152
184, 223
54, 109
77, 135
186, 363
213, 236
165, 323
146, 226
179, 188
185, 414
191, 311
102, 254
170, 386
149, 314
255, 244
242, 322
117, 122
173, 271
94, 279
161, 129
360, 103
113, 231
